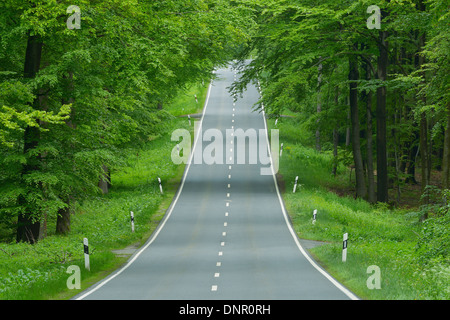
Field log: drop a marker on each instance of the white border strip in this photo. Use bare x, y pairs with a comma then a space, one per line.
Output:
155, 234
293, 233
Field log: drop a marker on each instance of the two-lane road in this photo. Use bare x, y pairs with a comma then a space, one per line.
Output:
226, 234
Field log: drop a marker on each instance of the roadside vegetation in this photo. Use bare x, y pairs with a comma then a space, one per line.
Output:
366, 86
412, 254
39, 271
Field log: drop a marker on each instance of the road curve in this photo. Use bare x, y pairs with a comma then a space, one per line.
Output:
227, 234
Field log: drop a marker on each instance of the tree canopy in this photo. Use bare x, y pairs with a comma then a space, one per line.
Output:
383, 89
79, 85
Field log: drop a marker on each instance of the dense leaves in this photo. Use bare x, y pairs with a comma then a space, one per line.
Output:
72, 99
384, 91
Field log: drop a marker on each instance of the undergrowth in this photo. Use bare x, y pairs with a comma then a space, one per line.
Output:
411, 252
39, 271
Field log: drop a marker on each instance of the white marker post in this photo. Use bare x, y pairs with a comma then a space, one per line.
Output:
295, 184
344, 248
281, 150
189, 118
314, 216
132, 221
87, 264
160, 186
276, 121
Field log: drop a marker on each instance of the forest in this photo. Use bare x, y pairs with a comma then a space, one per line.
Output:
77, 87
87, 85
381, 91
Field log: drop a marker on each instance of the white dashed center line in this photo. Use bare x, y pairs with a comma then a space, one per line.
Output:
225, 224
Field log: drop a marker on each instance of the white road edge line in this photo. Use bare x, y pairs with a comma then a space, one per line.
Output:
294, 235
166, 217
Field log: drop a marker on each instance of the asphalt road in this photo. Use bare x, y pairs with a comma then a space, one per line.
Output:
226, 234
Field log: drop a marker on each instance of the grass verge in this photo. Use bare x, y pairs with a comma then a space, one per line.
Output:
37, 272
391, 239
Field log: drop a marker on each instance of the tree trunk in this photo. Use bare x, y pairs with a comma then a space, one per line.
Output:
361, 191
412, 156
370, 172
424, 150
63, 220
396, 154
28, 222
446, 154
382, 170
347, 131
430, 145
104, 182
335, 151
371, 196
319, 108
335, 137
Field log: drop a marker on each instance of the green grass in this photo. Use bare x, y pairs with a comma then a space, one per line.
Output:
39, 271
387, 238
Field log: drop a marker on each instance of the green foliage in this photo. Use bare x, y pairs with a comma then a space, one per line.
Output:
300, 54
98, 90
297, 154
434, 239
39, 271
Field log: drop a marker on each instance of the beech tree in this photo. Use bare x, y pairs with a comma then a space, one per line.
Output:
76, 93
391, 80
